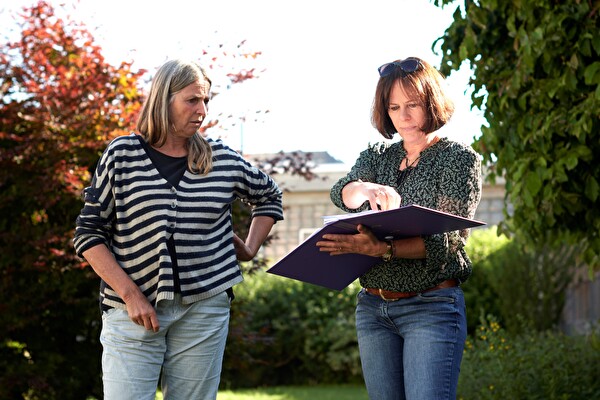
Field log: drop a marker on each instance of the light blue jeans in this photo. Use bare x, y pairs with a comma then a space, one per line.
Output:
412, 348
188, 350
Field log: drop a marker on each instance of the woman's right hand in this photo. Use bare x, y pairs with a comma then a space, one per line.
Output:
141, 312
139, 309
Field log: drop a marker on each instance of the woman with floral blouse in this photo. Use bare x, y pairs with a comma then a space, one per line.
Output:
410, 314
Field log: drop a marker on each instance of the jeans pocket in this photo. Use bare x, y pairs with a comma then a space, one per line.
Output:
110, 312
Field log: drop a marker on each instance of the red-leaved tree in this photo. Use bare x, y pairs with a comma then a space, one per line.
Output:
61, 103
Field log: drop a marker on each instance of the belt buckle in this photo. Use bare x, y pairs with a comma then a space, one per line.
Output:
384, 298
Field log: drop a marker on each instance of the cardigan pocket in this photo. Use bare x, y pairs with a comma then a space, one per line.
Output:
91, 195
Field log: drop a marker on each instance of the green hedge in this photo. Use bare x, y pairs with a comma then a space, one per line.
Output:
285, 332
530, 366
523, 286
485, 249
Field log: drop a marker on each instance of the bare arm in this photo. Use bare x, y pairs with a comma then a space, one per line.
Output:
258, 232
139, 308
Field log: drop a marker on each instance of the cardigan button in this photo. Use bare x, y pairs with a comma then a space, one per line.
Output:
174, 205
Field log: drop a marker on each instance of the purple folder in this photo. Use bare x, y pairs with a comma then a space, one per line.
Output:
306, 263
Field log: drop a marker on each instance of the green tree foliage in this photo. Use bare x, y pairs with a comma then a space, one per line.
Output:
536, 67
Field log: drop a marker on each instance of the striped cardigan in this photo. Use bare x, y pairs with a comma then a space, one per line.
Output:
133, 210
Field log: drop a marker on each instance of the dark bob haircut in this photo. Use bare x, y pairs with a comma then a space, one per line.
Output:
426, 83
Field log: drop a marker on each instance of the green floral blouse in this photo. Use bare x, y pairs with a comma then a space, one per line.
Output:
447, 178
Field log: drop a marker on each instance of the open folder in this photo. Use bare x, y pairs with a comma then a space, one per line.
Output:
306, 263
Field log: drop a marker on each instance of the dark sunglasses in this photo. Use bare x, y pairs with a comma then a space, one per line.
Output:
407, 66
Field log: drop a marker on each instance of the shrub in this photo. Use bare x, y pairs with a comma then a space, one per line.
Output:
286, 332
533, 365
484, 247
531, 284
523, 287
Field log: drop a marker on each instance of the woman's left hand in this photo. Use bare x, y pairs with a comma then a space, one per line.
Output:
257, 233
242, 251
363, 242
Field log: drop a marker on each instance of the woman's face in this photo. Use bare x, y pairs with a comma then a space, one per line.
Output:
188, 108
406, 112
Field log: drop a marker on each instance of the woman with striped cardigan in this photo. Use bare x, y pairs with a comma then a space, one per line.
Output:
156, 227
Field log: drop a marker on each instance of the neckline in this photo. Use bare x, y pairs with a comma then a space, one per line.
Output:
414, 163
149, 149
166, 156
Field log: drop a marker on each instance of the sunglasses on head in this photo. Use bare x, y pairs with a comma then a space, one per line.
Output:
407, 66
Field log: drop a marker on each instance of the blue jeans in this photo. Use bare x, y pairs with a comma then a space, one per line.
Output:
188, 349
412, 348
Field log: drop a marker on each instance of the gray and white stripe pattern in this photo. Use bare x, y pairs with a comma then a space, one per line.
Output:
133, 210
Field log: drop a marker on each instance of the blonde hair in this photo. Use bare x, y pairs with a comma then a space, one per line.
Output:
154, 123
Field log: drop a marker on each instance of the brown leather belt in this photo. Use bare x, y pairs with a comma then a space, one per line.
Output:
390, 295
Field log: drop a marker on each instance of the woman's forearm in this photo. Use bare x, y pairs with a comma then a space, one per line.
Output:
106, 267
260, 227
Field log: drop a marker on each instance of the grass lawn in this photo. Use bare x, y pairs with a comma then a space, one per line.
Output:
338, 392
